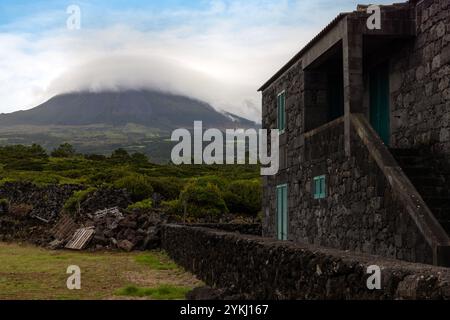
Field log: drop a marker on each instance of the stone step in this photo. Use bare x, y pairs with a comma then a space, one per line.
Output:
437, 202
441, 214
407, 161
428, 181
403, 152
418, 170
432, 191
446, 226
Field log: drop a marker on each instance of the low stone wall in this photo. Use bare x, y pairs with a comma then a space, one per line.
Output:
242, 228
260, 268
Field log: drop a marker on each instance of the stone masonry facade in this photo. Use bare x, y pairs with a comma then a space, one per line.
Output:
420, 82
361, 212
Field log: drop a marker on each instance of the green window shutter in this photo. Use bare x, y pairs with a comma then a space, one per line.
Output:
282, 212
285, 213
320, 187
279, 215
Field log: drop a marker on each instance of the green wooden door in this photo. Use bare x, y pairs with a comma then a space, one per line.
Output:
379, 101
282, 212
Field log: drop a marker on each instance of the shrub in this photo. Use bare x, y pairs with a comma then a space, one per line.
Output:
95, 157
26, 165
244, 196
139, 159
138, 185
141, 205
120, 155
65, 150
219, 182
169, 187
203, 200
74, 202
172, 207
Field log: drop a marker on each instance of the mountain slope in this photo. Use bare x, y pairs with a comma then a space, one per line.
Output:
139, 121
152, 109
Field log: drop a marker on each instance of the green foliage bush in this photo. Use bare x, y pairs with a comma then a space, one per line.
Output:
138, 185
95, 157
172, 207
120, 156
18, 157
73, 203
65, 150
244, 197
141, 205
207, 191
168, 187
203, 200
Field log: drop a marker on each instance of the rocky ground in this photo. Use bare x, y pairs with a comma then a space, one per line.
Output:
35, 214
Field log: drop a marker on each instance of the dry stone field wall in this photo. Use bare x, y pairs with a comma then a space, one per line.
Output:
250, 267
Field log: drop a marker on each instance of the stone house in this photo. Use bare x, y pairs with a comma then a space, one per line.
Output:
364, 120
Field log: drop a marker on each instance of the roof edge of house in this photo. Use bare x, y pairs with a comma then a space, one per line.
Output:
297, 56
332, 24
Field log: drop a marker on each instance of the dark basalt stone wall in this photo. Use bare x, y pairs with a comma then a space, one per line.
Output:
420, 82
243, 228
251, 267
361, 211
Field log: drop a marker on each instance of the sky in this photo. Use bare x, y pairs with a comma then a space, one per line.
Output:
219, 51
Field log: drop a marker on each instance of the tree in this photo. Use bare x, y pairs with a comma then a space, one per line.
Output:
65, 150
139, 158
120, 155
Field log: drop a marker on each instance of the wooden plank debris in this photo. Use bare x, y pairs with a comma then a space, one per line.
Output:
81, 238
64, 229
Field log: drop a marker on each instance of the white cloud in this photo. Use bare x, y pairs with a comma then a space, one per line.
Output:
220, 55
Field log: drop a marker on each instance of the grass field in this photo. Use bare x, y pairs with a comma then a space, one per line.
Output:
28, 272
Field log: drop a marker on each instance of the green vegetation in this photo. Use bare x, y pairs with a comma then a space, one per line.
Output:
156, 261
203, 199
202, 191
73, 203
138, 185
29, 272
64, 151
162, 292
244, 196
142, 205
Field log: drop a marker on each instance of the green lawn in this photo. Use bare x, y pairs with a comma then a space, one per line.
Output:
28, 272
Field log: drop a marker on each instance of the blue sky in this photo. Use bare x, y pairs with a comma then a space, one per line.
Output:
219, 51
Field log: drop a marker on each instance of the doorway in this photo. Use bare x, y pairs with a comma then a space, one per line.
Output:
379, 101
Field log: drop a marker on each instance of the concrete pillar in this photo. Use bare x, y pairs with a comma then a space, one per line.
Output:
352, 46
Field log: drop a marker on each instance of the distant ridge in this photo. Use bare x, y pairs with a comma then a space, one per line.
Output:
153, 109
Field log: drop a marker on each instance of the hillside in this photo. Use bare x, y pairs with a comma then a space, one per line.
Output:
139, 121
153, 109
